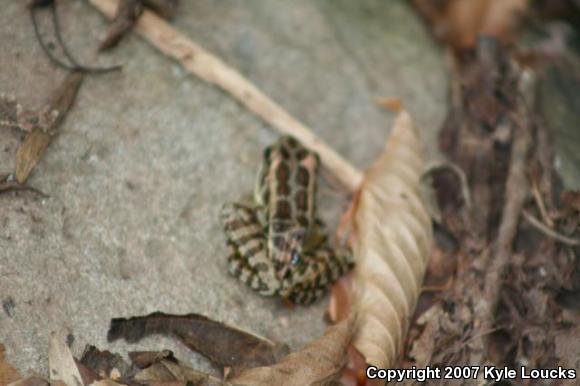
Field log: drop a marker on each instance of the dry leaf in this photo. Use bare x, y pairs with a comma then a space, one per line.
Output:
394, 235
106, 382
143, 359
317, 364
62, 366
105, 363
7, 372
168, 371
44, 126
224, 345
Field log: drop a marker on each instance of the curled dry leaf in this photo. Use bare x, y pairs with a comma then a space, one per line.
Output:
317, 364
393, 239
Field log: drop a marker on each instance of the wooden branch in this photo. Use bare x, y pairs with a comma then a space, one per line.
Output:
213, 70
516, 191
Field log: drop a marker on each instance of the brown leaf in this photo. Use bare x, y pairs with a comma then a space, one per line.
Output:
45, 126
394, 237
7, 372
105, 363
169, 371
128, 11
224, 345
143, 359
316, 364
29, 153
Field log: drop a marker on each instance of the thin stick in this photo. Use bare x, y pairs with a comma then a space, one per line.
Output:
548, 231
213, 70
516, 190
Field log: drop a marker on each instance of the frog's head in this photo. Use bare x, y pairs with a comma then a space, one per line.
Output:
289, 252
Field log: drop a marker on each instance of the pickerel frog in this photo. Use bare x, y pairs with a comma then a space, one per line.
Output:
277, 246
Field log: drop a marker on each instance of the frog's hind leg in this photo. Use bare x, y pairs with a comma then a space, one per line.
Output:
248, 259
239, 268
318, 270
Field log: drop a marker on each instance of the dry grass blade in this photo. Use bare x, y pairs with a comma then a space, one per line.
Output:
211, 69
45, 126
394, 236
316, 364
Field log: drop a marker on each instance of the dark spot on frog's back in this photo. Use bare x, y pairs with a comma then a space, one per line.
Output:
283, 189
282, 173
301, 154
302, 177
283, 210
284, 152
291, 141
301, 200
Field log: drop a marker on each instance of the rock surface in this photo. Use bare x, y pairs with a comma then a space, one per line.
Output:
148, 155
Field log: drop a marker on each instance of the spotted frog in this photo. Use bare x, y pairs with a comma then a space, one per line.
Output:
277, 245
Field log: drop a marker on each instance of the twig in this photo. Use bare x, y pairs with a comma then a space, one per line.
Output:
127, 15
540, 203
517, 188
548, 231
213, 70
10, 185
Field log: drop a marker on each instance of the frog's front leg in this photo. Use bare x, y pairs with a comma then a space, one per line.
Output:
318, 269
248, 259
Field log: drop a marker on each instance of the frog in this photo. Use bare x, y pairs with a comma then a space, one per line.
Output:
277, 244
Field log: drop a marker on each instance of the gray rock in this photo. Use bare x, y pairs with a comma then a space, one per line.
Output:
148, 155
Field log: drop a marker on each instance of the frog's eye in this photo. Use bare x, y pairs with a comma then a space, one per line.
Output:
295, 258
